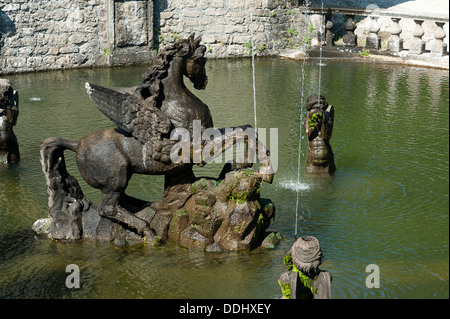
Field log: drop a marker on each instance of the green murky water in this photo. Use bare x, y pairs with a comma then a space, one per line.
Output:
387, 204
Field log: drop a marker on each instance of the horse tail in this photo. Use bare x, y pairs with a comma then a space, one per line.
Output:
66, 200
52, 152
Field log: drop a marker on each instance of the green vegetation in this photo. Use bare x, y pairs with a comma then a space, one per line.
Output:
239, 198
307, 38
306, 281
315, 119
248, 45
175, 36
248, 172
292, 32
261, 48
364, 53
107, 52
160, 36
177, 218
288, 36
200, 184
285, 290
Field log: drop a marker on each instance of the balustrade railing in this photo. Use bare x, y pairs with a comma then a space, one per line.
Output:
395, 43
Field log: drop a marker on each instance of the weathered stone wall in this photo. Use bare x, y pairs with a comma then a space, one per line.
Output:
42, 35
226, 26
54, 34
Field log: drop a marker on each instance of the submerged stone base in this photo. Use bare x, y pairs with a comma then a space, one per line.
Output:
208, 214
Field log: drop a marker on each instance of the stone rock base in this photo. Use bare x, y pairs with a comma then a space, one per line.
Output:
208, 214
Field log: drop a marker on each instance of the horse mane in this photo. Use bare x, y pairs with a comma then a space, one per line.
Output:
151, 79
151, 88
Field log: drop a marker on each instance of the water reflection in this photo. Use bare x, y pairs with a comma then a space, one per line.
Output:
386, 204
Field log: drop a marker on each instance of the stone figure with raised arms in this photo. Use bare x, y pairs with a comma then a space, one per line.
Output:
9, 112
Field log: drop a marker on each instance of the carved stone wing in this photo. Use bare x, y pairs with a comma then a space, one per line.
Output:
130, 112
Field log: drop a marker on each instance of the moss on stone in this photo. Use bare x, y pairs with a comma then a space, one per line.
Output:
198, 185
177, 218
285, 289
247, 172
240, 197
305, 280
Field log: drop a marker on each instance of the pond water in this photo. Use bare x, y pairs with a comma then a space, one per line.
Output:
387, 204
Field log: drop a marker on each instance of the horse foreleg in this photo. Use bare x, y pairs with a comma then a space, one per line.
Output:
226, 138
110, 208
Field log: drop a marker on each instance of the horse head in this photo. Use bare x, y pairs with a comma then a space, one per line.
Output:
195, 62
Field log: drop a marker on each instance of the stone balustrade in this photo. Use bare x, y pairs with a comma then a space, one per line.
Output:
384, 30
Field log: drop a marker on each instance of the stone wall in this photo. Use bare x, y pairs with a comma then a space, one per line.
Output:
42, 35
54, 34
226, 26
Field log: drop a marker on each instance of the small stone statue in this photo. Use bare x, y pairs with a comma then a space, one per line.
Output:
319, 128
303, 279
9, 111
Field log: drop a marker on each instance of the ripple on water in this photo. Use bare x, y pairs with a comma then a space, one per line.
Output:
386, 204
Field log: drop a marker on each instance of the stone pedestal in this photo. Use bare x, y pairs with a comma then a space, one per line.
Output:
350, 38
395, 43
373, 40
417, 45
329, 36
214, 215
438, 47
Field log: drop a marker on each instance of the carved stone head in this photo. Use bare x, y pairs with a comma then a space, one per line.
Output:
195, 64
9, 105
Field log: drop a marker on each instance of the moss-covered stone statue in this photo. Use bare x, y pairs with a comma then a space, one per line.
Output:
303, 279
9, 111
319, 128
162, 129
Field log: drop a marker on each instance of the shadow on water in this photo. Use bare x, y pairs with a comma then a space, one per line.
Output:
20, 243
42, 284
20, 248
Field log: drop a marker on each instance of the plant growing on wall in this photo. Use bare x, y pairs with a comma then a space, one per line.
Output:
248, 45
308, 36
175, 36
107, 52
288, 36
364, 53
